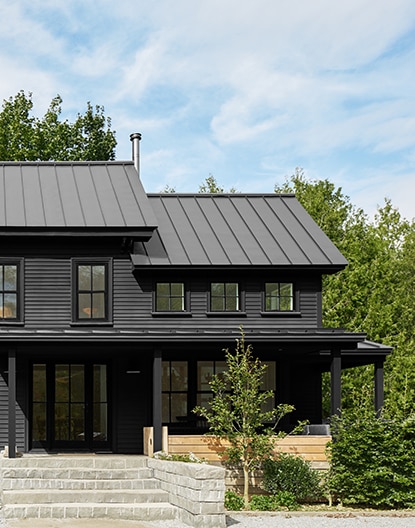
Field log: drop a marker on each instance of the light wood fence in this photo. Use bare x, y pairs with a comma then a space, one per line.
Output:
309, 447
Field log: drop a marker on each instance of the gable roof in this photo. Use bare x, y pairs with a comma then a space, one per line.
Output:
222, 230
73, 197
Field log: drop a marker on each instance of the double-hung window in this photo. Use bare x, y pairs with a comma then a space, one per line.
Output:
279, 297
170, 297
9, 291
92, 291
224, 297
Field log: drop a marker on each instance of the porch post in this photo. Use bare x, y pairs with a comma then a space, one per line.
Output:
157, 388
336, 382
12, 403
379, 386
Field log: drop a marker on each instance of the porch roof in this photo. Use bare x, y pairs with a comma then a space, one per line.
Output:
235, 230
67, 198
187, 334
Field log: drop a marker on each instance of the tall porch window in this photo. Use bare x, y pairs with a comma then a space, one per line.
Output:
175, 383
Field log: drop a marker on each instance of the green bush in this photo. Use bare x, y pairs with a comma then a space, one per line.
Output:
373, 462
281, 500
292, 474
233, 501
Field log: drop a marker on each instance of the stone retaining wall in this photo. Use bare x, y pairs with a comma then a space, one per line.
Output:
197, 490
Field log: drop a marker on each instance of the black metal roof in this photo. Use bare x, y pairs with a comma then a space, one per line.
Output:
68, 197
221, 230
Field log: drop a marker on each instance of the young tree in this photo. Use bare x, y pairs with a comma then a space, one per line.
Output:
24, 137
236, 412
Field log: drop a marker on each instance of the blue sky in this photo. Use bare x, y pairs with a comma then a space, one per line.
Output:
246, 91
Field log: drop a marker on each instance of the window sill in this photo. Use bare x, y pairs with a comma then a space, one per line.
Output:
280, 314
171, 314
226, 314
91, 322
5, 322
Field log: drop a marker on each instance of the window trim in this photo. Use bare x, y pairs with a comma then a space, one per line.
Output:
19, 262
295, 312
172, 313
94, 261
240, 297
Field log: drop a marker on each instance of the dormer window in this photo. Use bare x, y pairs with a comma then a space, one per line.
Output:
170, 297
279, 297
224, 297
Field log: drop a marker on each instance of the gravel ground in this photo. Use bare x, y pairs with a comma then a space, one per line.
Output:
236, 520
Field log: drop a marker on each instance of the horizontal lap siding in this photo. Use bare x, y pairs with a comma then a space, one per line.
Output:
47, 292
131, 299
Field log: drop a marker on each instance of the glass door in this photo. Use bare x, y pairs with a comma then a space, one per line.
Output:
70, 406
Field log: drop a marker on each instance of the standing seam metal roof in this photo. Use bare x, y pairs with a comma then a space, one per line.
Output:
235, 230
47, 195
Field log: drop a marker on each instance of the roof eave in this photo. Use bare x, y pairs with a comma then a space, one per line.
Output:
139, 233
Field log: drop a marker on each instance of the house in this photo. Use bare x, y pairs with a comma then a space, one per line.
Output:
116, 305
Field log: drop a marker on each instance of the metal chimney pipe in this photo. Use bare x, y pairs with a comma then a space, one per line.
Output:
135, 139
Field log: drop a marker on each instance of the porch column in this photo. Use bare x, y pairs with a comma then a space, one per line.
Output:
12, 403
157, 388
336, 382
379, 387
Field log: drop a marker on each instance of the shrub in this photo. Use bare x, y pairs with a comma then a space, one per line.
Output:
289, 473
281, 500
233, 501
373, 462
174, 457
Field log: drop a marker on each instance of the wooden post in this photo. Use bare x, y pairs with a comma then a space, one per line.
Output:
12, 404
336, 382
157, 389
379, 388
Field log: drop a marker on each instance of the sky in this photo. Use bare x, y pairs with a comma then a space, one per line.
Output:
242, 90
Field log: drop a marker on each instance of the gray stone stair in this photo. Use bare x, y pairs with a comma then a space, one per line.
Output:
95, 486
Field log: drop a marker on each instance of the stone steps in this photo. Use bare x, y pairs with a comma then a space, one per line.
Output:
95, 486
136, 512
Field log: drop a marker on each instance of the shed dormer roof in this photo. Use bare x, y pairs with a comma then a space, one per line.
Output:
235, 230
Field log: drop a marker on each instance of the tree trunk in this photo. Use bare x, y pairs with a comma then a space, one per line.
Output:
246, 485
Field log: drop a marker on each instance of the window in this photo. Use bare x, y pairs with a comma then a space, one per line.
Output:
92, 291
279, 297
224, 297
9, 291
205, 371
170, 297
174, 391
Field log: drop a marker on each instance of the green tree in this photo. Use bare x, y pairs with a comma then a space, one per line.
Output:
24, 137
236, 412
210, 185
374, 294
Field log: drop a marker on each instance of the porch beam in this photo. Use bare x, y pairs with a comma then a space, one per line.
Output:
379, 386
157, 388
12, 403
336, 382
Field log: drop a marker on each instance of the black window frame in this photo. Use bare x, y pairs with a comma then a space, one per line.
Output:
239, 297
293, 297
185, 298
108, 297
18, 292
169, 392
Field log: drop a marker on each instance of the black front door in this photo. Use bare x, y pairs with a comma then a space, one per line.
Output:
70, 406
